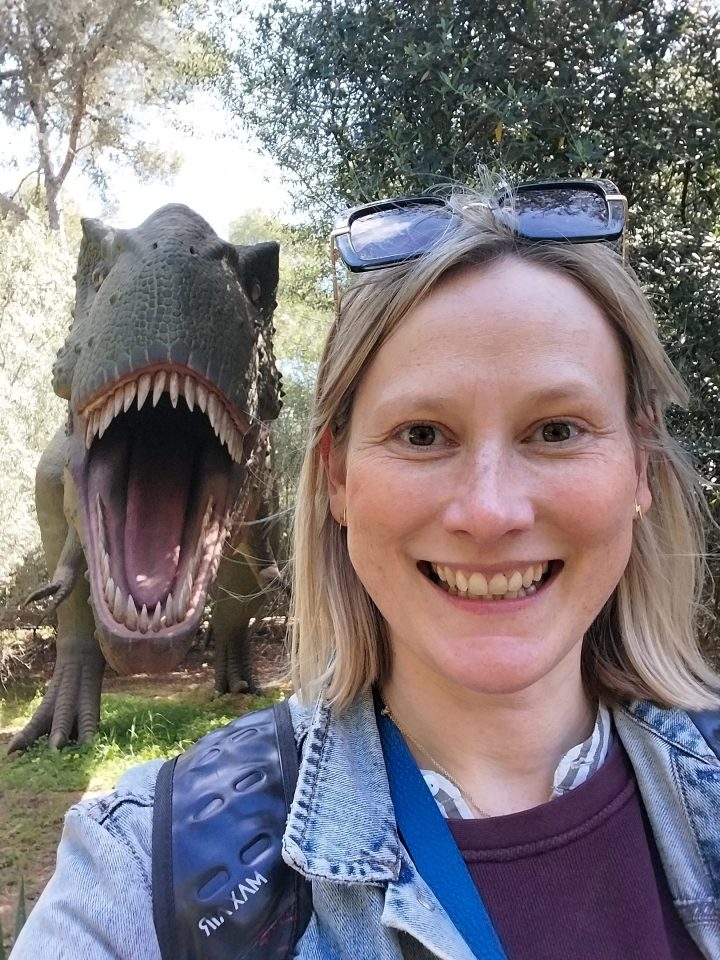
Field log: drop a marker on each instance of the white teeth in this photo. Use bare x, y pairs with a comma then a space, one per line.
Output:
478, 585
110, 591
129, 391
119, 606
510, 586
201, 397
212, 410
143, 621
158, 386
89, 434
118, 401
131, 617
174, 389
169, 611
155, 623
498, 585
190, 393
515, 582
144, 384
106, 416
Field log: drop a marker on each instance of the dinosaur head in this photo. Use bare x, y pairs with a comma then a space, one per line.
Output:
169, 373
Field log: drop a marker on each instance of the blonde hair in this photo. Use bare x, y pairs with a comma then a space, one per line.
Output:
643, 643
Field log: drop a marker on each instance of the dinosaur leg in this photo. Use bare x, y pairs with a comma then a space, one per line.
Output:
71, 705
237, 599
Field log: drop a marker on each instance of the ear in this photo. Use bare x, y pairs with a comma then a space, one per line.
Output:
644, 430
335, 475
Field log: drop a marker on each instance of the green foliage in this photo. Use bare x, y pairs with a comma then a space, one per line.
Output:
360, 98
74, 76
36, 293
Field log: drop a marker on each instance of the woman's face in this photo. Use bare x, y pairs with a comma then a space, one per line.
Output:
490, 479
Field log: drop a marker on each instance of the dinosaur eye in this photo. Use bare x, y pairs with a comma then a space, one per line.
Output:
255, 291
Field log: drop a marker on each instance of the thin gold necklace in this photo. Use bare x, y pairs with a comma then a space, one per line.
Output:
465, 794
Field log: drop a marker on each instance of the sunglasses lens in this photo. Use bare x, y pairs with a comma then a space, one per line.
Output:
400, 233
559, 213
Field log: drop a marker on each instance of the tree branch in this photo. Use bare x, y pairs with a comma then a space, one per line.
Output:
8, 206
75, 125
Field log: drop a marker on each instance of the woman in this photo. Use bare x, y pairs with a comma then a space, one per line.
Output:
497, 564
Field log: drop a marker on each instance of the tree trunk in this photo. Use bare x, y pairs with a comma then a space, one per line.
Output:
52, 190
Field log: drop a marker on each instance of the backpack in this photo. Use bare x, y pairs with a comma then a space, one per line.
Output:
221, 890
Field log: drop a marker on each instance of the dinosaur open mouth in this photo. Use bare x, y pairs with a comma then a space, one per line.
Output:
160, 471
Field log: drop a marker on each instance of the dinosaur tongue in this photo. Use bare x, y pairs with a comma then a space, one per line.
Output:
160, 474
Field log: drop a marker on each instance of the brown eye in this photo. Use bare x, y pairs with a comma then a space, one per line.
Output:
556, 431
421, 435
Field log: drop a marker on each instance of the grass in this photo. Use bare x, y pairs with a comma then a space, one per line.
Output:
37, 787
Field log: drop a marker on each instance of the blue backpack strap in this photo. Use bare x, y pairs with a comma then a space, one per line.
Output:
708, 723
221, 890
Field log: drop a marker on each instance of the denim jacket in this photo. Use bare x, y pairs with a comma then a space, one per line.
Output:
368, 899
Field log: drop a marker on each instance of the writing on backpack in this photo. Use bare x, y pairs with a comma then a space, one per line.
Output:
238, 896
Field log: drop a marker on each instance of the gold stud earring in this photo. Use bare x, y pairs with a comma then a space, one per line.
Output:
344, 519
638, 511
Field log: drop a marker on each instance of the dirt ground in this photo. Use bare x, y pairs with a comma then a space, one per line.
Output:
37, 838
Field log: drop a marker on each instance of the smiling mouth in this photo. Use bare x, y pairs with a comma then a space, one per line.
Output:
510, 585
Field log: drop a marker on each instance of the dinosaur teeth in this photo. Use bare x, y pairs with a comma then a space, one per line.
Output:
144, 384
174, 389
190, 393
169, 611
119, 605
118, 401
131, 617
129, 391
106, 417
158, 387
110, 591
202, 397
156, 617
212, 410
143, 621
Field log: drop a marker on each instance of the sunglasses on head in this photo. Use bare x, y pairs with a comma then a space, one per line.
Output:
389, 232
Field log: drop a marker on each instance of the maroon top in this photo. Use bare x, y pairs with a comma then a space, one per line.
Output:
577, 877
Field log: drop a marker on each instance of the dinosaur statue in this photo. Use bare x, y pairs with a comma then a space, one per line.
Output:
159, 482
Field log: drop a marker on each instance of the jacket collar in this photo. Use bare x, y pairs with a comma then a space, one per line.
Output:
342, 823
675, 727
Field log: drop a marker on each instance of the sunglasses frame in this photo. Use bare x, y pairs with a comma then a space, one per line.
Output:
341, 245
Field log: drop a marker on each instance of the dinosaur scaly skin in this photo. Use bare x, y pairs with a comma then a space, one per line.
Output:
169, 375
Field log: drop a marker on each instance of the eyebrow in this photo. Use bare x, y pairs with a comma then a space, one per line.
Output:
551, 393
568, 390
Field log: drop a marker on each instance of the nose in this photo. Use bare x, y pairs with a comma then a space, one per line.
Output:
492, 496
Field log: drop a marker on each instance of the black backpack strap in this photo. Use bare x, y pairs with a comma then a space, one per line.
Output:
708, 723
221, 890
